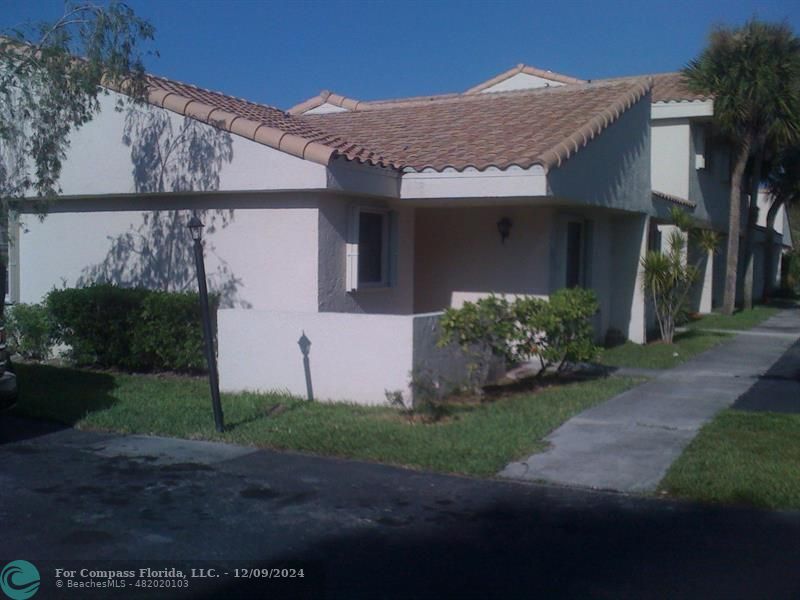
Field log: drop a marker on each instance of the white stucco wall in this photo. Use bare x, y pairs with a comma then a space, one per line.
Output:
628, 245
669, 157
709, 187
333, 226
98, 162
352, 358
764, 204
459, 255
521, 81
263, 251
613, 170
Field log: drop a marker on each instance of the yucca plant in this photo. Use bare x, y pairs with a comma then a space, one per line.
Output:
668, 277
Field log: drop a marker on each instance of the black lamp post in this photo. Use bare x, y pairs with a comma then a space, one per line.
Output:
196, 230
504, 229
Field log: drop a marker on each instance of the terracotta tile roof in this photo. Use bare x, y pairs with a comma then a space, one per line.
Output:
528, 70
543, 126
352, 104
674, 199
667, 87
672, 87
324, 97
261, 123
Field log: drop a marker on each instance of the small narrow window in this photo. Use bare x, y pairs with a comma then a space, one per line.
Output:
654, 237
574, 253
371, 248
371, 254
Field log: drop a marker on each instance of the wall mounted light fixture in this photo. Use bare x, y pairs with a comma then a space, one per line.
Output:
504, 229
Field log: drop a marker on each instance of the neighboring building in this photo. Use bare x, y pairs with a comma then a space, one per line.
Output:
354, 223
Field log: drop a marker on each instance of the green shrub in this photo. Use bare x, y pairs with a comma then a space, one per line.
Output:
565, 323
556, 331
29, 330
791, 271
97, 322
487, 324
129, 328
168, 333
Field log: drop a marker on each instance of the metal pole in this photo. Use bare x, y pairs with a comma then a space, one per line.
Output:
211, 357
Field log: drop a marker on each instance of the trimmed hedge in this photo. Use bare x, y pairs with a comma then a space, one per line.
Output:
129, 328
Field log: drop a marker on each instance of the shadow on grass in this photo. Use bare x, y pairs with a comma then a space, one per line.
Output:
272, 411
63, 395
533, 383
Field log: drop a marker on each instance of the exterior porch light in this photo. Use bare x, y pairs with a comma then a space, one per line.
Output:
196, 230
195, 226
504, 229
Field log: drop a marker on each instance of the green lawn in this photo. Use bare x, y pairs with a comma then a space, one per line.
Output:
476, 439
741, 458
657, 355
741, 319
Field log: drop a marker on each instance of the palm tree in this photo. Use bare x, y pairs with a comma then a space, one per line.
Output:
752, 72
783, 183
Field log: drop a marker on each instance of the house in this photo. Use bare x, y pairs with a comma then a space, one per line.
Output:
352, 224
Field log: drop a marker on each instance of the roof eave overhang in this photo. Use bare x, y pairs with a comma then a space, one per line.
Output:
682, 109
490, 184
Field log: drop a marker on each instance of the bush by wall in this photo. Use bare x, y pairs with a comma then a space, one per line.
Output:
790, 280
29, 330
168, 333
129, 328
557, 331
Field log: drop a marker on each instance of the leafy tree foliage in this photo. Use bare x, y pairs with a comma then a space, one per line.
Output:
753, 72
51, 77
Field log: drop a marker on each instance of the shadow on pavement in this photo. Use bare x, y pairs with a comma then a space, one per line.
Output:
513, 550
777, 390
17, 429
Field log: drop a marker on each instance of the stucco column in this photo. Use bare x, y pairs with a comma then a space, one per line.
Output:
626, 275
707, 283
637, 328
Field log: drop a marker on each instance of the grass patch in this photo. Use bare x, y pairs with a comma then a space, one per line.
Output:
658, 355
476, 439
741, 458
741, 319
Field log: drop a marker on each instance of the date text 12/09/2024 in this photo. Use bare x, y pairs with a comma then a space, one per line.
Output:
193, 573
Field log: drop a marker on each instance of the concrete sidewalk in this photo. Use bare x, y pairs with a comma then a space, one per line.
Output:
629, 442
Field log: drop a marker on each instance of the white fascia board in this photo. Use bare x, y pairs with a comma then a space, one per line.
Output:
356, 178
513, 182
681, 110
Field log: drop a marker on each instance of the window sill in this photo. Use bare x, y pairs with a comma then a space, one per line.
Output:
382, 287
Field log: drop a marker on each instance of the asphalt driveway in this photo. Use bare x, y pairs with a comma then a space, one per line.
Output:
367, 530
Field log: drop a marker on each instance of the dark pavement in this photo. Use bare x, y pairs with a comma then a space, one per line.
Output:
368, 530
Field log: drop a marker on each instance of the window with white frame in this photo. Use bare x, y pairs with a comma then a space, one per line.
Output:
370, 248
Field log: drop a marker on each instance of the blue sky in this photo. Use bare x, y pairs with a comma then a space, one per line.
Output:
281, 53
